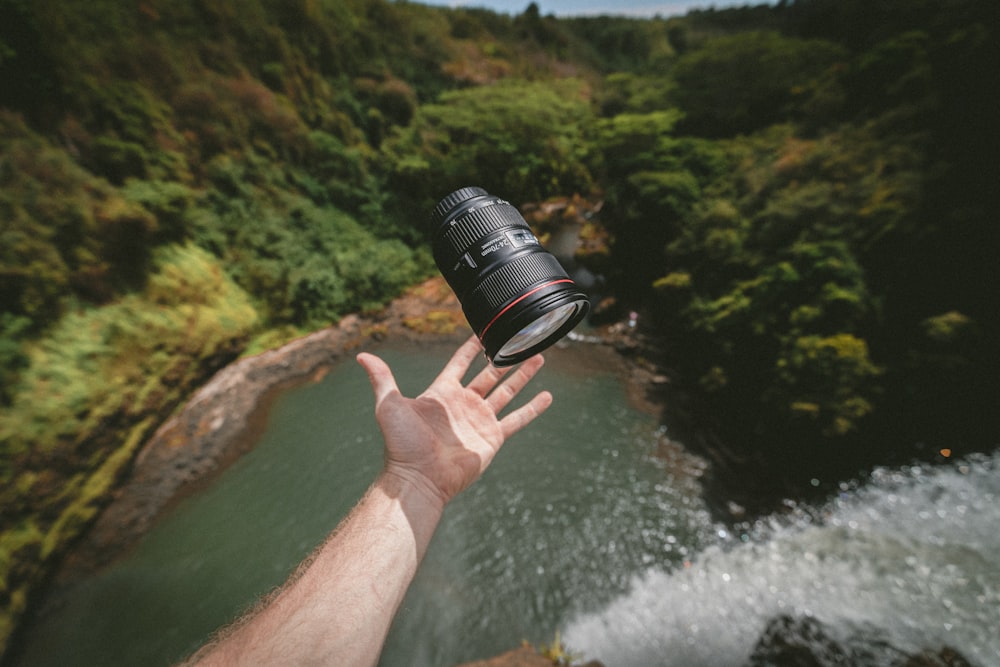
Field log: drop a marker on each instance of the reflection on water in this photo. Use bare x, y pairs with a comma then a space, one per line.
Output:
576, 527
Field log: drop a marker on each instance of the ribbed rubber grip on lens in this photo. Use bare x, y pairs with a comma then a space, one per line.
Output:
454, 199
512, 278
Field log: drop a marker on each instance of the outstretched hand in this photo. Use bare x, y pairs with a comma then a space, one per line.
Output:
442, 440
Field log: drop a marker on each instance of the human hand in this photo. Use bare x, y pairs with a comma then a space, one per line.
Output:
444, 439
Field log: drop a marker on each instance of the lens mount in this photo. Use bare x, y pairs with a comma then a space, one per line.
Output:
516, 296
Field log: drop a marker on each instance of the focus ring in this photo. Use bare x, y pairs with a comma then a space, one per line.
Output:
510, 279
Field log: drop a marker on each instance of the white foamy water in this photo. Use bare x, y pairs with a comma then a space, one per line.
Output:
909, 557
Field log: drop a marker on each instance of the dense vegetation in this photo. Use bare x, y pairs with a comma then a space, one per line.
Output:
811, 205
798, 198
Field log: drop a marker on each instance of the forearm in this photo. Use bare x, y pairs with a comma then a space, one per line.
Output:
338, 608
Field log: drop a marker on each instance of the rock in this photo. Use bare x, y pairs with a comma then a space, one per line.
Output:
797, 642
524, 656
804, 642
946, 657
521, 657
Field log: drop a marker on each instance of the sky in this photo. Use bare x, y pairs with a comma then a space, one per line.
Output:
646, 8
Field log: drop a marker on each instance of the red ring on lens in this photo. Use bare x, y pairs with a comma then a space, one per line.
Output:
517, 301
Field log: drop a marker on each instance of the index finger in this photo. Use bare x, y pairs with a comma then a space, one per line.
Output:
459, 363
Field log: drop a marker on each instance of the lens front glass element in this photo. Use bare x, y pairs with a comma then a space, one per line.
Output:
538, 331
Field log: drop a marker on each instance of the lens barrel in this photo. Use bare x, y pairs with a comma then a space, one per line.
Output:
516, 296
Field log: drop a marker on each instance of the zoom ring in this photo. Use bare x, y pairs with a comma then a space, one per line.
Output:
512, 278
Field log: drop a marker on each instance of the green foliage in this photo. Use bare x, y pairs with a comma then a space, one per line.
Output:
308, 265
655, 180
743, 82
231, 113
126, 131
947, 327
623, 92
766, 295
786, 269
637, 141
168, 201
96, 386
828, 379
526, 140
621, 44
65, 231
98, 358
13, 329
344, 176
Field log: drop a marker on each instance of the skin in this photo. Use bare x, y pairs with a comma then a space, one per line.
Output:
337, 607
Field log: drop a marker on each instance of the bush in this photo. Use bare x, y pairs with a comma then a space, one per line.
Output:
744, 82
307, 265
97, 385
524, 141
13, 360
67, 232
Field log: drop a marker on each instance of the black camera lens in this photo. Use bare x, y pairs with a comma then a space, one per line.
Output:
516, 296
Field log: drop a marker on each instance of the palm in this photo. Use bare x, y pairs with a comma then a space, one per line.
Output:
446, 437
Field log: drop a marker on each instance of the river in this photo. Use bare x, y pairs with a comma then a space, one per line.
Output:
578, 526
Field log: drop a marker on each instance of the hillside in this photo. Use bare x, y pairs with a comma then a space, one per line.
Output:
798, 198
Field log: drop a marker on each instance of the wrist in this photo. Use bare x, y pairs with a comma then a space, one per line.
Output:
413, 490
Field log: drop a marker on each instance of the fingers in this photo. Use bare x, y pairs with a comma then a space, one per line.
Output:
489, 384
380, 375
525, 414
487, 378
459, 363
504, 393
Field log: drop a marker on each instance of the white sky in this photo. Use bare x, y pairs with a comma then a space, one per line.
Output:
590, 7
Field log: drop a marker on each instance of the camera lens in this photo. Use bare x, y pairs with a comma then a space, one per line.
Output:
516, 296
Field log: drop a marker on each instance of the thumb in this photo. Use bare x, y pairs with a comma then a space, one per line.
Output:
380, 375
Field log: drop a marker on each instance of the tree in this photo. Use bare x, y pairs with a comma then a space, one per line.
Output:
743, 82
521, 140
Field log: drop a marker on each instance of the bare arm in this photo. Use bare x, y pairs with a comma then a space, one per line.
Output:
339, 605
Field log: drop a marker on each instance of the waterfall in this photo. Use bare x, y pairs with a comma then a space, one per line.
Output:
904, 559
